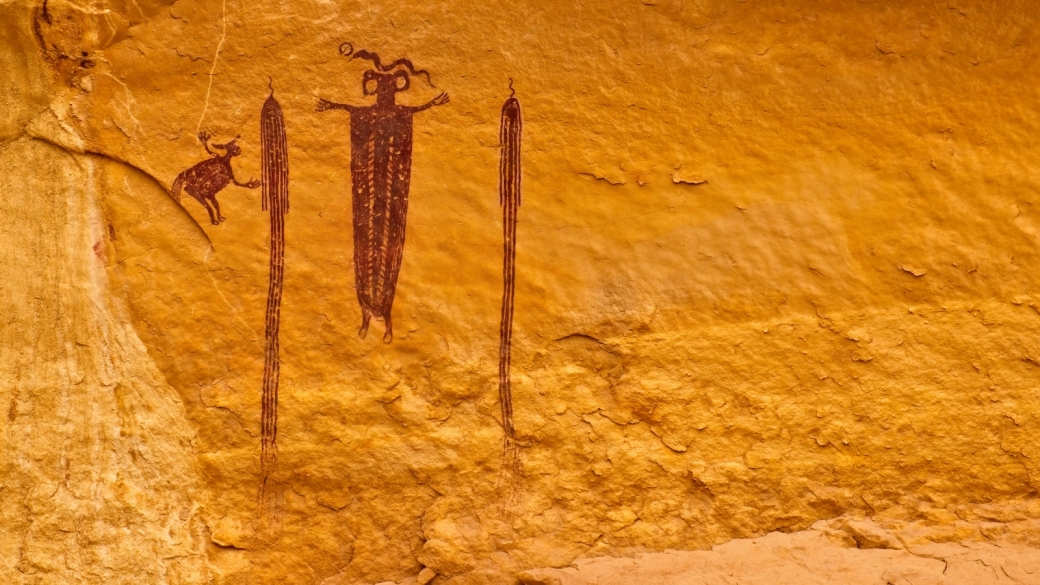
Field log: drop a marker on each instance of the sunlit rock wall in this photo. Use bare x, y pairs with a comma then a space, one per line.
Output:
774, 263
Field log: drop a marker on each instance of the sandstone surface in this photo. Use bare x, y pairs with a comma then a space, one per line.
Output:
811, 557
776, 263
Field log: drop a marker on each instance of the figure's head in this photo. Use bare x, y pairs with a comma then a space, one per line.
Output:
383, 81
384, 85
230, 148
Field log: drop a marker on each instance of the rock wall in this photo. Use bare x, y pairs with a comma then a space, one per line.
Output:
775, 263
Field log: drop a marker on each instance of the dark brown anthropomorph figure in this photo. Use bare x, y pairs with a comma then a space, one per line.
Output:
380, 168
204, 180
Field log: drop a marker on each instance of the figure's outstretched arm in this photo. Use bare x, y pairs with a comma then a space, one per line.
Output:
204, 139
324, 104
252, 184
437, 101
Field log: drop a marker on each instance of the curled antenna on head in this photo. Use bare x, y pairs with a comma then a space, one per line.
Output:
363, 54
270, 84
512, 92
346, 52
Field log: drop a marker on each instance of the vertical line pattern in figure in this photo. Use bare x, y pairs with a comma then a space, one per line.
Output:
380, 170
509, 198
275, 168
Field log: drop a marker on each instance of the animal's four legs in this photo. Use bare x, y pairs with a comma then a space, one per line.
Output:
212, 218
216, 205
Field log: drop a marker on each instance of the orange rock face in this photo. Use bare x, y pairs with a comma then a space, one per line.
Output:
809, 558
774, 263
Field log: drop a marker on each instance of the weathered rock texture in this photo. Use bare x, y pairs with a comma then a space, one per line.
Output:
871, 555
776, 263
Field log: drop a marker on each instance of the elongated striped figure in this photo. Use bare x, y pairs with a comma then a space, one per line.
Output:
275, 181
509, 199
380, 169
509, 172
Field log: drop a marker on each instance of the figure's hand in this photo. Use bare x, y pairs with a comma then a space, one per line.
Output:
324, 104
253, 184
440, 100
204, 137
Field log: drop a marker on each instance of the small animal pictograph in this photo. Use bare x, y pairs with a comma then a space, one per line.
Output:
204, 180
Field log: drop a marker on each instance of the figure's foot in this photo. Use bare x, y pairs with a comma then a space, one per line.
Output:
364, 326
214, 221
389, 335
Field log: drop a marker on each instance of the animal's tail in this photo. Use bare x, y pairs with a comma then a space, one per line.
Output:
177, 184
